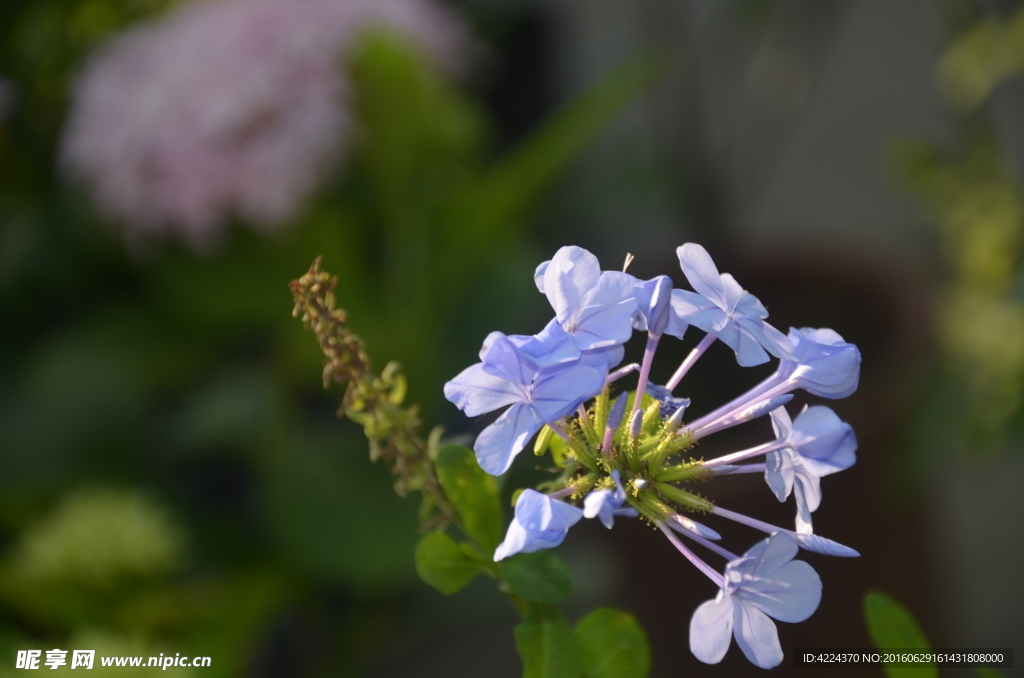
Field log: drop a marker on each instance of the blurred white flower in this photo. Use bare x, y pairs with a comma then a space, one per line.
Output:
227, 108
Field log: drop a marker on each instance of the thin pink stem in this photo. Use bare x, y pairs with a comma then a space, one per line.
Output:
708, 339
645, 372
706, 543
711, 573
621, 372
745, 454
769, 388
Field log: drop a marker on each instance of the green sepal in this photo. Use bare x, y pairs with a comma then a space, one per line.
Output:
891, 626
473, 493
686, 471
543, 440
682, 497
547, 645
541, 577
613, 645
441, 563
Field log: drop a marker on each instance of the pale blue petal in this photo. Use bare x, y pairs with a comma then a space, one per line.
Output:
676, 325
538, 275
804, 522
711, 629
502, 358
693, 309
551, 346
778, 474
603, 359
610, 297
488, 342
767, 336
816, 544
654, 301
475, 392
826, 442
560, 390
540, 513
747, 305
570, 274
600, 504
771, 554
594, 335
516, 539
807, 489
756, 635
583, 267
825, 365
776, 343
498, 444
791, 594
781, 422
701, 272
639, 321
563, 295
737, 300
749, 351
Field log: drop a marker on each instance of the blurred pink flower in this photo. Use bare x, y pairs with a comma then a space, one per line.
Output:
227, 108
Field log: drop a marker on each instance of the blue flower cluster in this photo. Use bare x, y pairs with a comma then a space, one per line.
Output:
628, 457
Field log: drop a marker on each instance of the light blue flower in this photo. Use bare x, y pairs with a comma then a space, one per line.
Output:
537, 395
765, 582
540, 523
654, 308
723, 308
824, 364
606, 504
817, 443
592, 306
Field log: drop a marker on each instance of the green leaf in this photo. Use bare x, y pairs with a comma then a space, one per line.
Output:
892, 627
542, 577
613, 645
988, 673
547, 645
442, 564
474, 494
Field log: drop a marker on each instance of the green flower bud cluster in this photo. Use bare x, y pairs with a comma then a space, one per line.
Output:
650, 463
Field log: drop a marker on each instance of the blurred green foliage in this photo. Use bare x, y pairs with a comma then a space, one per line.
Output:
975, 199
892, 627
224, 496
985, 55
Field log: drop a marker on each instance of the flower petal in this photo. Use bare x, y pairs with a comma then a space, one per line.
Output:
502, 358
771, 554
701, 272
689, 308
538, 275
756, 635
539, 512
790, 594
711, 629
476, 392
778, 474
498, 444
558, 391
816, 544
